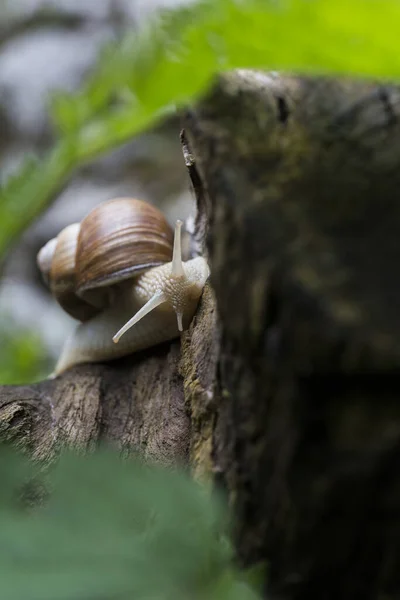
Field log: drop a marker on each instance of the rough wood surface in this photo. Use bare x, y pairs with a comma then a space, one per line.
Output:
137, 404
289, 395
303, 178
141, 404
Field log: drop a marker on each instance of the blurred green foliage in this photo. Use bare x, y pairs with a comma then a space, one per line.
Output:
23, 359
117, 529
172, 59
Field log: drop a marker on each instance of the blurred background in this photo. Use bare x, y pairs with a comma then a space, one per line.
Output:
47, 46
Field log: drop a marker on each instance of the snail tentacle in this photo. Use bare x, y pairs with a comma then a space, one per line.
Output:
172, 289
177, 264
156, 300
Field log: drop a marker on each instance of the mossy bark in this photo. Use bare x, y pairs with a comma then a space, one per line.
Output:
285, 390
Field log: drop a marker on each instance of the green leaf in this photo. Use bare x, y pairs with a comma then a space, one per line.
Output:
171, 61
173, 58
26, 193
15, 472
114, 529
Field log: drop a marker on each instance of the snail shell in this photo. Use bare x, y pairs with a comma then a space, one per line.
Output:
119, 239
114, 264
116, 241
56, 261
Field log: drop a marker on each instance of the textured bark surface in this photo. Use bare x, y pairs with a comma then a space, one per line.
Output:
303, 178
290, 398
139, 404
136, 404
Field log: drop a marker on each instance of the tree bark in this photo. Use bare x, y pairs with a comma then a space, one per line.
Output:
289, 398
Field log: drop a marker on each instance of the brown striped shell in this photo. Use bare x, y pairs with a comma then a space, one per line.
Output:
118, 240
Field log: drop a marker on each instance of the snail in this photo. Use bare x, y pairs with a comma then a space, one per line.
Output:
120, 272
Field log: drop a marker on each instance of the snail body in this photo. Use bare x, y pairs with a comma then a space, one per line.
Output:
120, 272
